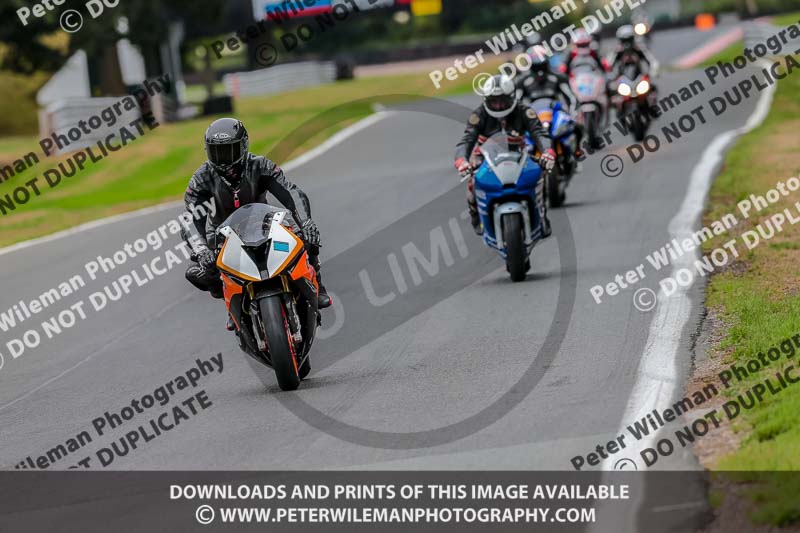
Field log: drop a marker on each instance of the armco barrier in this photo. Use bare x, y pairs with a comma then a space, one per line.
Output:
63, 115
280, 78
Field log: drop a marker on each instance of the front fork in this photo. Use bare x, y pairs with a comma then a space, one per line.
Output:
287, 299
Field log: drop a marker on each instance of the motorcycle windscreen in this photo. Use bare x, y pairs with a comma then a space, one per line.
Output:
587, 85
252, 223
505, 159
543, 105
631, 71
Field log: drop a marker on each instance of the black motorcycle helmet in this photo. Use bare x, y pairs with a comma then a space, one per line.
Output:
540, 62
227, 143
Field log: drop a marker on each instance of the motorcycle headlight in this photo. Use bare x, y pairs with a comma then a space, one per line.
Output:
640, 29
624, 89
643, 87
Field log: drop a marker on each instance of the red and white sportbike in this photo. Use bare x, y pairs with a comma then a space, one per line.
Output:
589, 85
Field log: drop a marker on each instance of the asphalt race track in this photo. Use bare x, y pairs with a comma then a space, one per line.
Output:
465, 370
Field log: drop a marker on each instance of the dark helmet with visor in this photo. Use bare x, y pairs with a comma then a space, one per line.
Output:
539, 60
227, 144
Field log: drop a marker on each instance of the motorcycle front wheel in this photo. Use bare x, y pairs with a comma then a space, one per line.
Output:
514, 238
639, 126
281, 350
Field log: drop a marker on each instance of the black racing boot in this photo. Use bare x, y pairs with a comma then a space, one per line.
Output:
323, 299
231, 325
475, 220
547, 230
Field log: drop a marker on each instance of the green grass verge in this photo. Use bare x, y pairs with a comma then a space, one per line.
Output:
726, 56
156, 167
759, 302
787, 19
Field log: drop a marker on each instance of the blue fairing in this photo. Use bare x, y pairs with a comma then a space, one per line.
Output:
563, 122
490, 192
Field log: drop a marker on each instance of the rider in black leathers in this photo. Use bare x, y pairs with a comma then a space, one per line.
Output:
629, 53
501, 111
233, 177
542, 82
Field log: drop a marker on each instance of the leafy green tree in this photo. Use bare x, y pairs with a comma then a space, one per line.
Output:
20, 49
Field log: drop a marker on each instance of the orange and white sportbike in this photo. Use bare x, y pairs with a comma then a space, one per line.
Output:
270, 289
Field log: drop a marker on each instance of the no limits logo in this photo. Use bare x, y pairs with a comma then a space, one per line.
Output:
71, 20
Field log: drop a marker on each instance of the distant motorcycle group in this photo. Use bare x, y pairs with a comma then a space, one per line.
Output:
511, 184
520, 151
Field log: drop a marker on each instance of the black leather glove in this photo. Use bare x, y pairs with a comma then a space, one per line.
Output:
207, 259
311, 232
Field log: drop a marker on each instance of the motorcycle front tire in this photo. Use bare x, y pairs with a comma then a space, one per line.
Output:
514, 238
281, 350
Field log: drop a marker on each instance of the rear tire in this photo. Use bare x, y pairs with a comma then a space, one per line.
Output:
514, 237
592, 127
281, 351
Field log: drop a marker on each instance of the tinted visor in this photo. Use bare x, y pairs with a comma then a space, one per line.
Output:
540, 68
225, 155
499, 103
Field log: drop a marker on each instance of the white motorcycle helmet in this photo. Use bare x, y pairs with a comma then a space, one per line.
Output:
499, 96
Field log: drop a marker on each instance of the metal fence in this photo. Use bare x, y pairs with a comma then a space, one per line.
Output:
59, 118
280, 78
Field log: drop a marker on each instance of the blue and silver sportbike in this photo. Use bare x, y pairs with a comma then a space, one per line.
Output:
561, 127
509, 188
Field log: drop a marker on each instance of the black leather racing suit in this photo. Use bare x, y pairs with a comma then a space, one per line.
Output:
630, 56
481, 125
555, 87
259, 177
550, 85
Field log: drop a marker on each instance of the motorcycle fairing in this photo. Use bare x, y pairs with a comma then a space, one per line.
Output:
235, 259
286, 246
